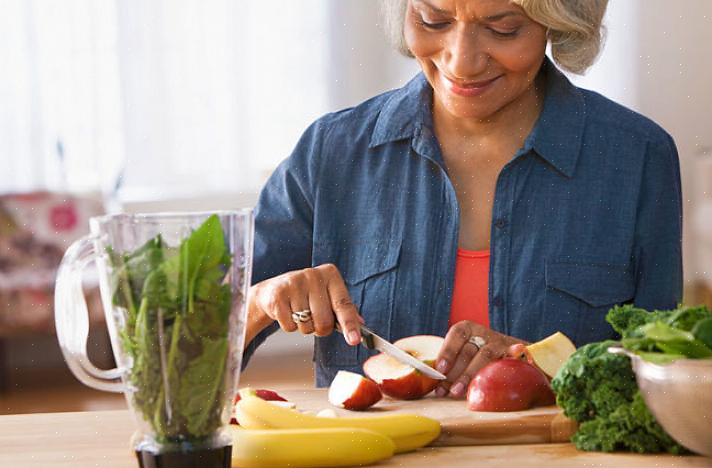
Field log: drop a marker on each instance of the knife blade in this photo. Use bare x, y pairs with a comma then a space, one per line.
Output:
372, 341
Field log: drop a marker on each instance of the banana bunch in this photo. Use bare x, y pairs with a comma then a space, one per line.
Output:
301, 448
407, 431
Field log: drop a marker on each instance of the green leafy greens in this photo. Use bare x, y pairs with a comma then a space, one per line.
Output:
678, 334
598, 388
177, 307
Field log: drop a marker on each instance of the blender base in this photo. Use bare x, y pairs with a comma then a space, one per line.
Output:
207, 458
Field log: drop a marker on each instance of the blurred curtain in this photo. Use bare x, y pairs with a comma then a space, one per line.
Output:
159, 97
59, 103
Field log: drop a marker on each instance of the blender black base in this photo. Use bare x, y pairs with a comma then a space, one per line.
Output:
207, 458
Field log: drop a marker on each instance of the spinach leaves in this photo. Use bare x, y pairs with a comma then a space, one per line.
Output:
683, 333
176, 304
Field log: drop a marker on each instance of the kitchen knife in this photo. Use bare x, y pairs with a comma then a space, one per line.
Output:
373, 341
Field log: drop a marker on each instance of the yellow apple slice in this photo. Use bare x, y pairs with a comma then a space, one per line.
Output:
551, 353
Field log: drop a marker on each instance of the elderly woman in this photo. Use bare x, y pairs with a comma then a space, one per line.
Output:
489, 197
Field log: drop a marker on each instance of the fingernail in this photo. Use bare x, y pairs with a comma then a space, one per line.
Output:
457, 389
440, 391
354, 337
441, 366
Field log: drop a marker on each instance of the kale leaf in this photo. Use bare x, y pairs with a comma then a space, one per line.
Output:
630, 427
594, 382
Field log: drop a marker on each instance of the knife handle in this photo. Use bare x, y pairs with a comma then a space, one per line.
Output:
366, 335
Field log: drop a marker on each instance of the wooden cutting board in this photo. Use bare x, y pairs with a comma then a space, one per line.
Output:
459, 425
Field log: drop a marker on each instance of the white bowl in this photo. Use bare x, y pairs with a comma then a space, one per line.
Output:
679, 395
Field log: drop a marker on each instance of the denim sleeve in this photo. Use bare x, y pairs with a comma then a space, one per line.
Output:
658, 233
284, 219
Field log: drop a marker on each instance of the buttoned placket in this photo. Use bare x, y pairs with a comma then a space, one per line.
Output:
499, 252
425, 145
501, 242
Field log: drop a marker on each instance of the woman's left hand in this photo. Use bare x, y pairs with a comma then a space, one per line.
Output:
460, 359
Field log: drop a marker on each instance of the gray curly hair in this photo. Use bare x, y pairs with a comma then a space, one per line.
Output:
575, 28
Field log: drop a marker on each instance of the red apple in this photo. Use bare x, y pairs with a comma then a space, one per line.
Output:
400, 380
268, 395
353, 391
509, 385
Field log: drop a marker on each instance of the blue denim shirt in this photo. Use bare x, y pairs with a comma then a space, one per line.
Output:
587, 214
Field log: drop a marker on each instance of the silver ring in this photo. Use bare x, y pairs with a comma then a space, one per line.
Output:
477, 341
302, 316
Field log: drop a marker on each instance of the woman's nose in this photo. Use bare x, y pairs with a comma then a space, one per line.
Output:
467, 56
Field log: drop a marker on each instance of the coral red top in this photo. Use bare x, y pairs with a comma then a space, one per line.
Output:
469, 296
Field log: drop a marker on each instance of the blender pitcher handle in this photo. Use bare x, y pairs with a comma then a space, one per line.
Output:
71, 318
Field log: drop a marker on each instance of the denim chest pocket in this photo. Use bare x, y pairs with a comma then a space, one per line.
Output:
369, 269
578, 296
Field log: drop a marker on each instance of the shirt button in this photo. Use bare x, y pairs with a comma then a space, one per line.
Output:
498, 302
500, 223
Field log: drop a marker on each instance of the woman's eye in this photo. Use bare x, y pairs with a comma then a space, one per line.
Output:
504, 34
435, 25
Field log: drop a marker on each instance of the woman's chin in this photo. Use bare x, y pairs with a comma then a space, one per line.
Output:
474, 111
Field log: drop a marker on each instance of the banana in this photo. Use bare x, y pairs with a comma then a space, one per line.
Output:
408, 431
308, 447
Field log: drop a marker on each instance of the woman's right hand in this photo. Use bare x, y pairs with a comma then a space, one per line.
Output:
321, 290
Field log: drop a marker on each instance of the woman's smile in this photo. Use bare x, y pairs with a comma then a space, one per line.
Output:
468, 88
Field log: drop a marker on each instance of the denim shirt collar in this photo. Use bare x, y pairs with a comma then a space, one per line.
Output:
556, 137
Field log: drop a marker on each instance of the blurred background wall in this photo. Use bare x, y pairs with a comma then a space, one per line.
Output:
184, 104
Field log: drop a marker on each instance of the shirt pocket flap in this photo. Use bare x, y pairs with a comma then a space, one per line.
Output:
361, 260
597, 285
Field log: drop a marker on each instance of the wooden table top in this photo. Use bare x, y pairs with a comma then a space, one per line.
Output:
101, 438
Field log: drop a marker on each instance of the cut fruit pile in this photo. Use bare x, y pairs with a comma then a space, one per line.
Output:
271, 432
503, 385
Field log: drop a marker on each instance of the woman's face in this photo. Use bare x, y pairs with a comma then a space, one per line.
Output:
478, 55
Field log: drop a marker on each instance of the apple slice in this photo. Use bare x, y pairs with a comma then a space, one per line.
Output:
548, 354
399, 380
267, 395
353, 391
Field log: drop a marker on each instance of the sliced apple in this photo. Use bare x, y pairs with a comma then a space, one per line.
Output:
551, 353
267, 395
353, 391
399, 380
